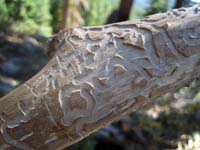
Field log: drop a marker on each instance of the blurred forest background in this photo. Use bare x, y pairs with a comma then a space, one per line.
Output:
173, 122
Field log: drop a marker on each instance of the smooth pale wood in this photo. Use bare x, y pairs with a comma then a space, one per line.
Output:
99, 74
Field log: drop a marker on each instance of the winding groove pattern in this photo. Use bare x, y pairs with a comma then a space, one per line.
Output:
93, 63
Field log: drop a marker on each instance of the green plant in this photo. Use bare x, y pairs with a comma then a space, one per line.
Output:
99, 11
55, 10
157, 6
3, 13
26, 16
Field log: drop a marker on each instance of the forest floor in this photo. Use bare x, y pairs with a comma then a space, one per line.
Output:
171, 122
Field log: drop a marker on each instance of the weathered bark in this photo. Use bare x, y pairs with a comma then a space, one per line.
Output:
100, 74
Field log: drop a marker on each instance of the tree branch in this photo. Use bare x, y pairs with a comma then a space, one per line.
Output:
99, 74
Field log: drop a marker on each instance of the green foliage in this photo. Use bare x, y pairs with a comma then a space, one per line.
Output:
99, 11
187, 2
55, 11
26, 16
3, 12
157, 6
137, 12
86, 144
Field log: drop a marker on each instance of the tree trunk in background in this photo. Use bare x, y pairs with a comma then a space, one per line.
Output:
98, 75
125, 9
178, 4
123, 13
64, 14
